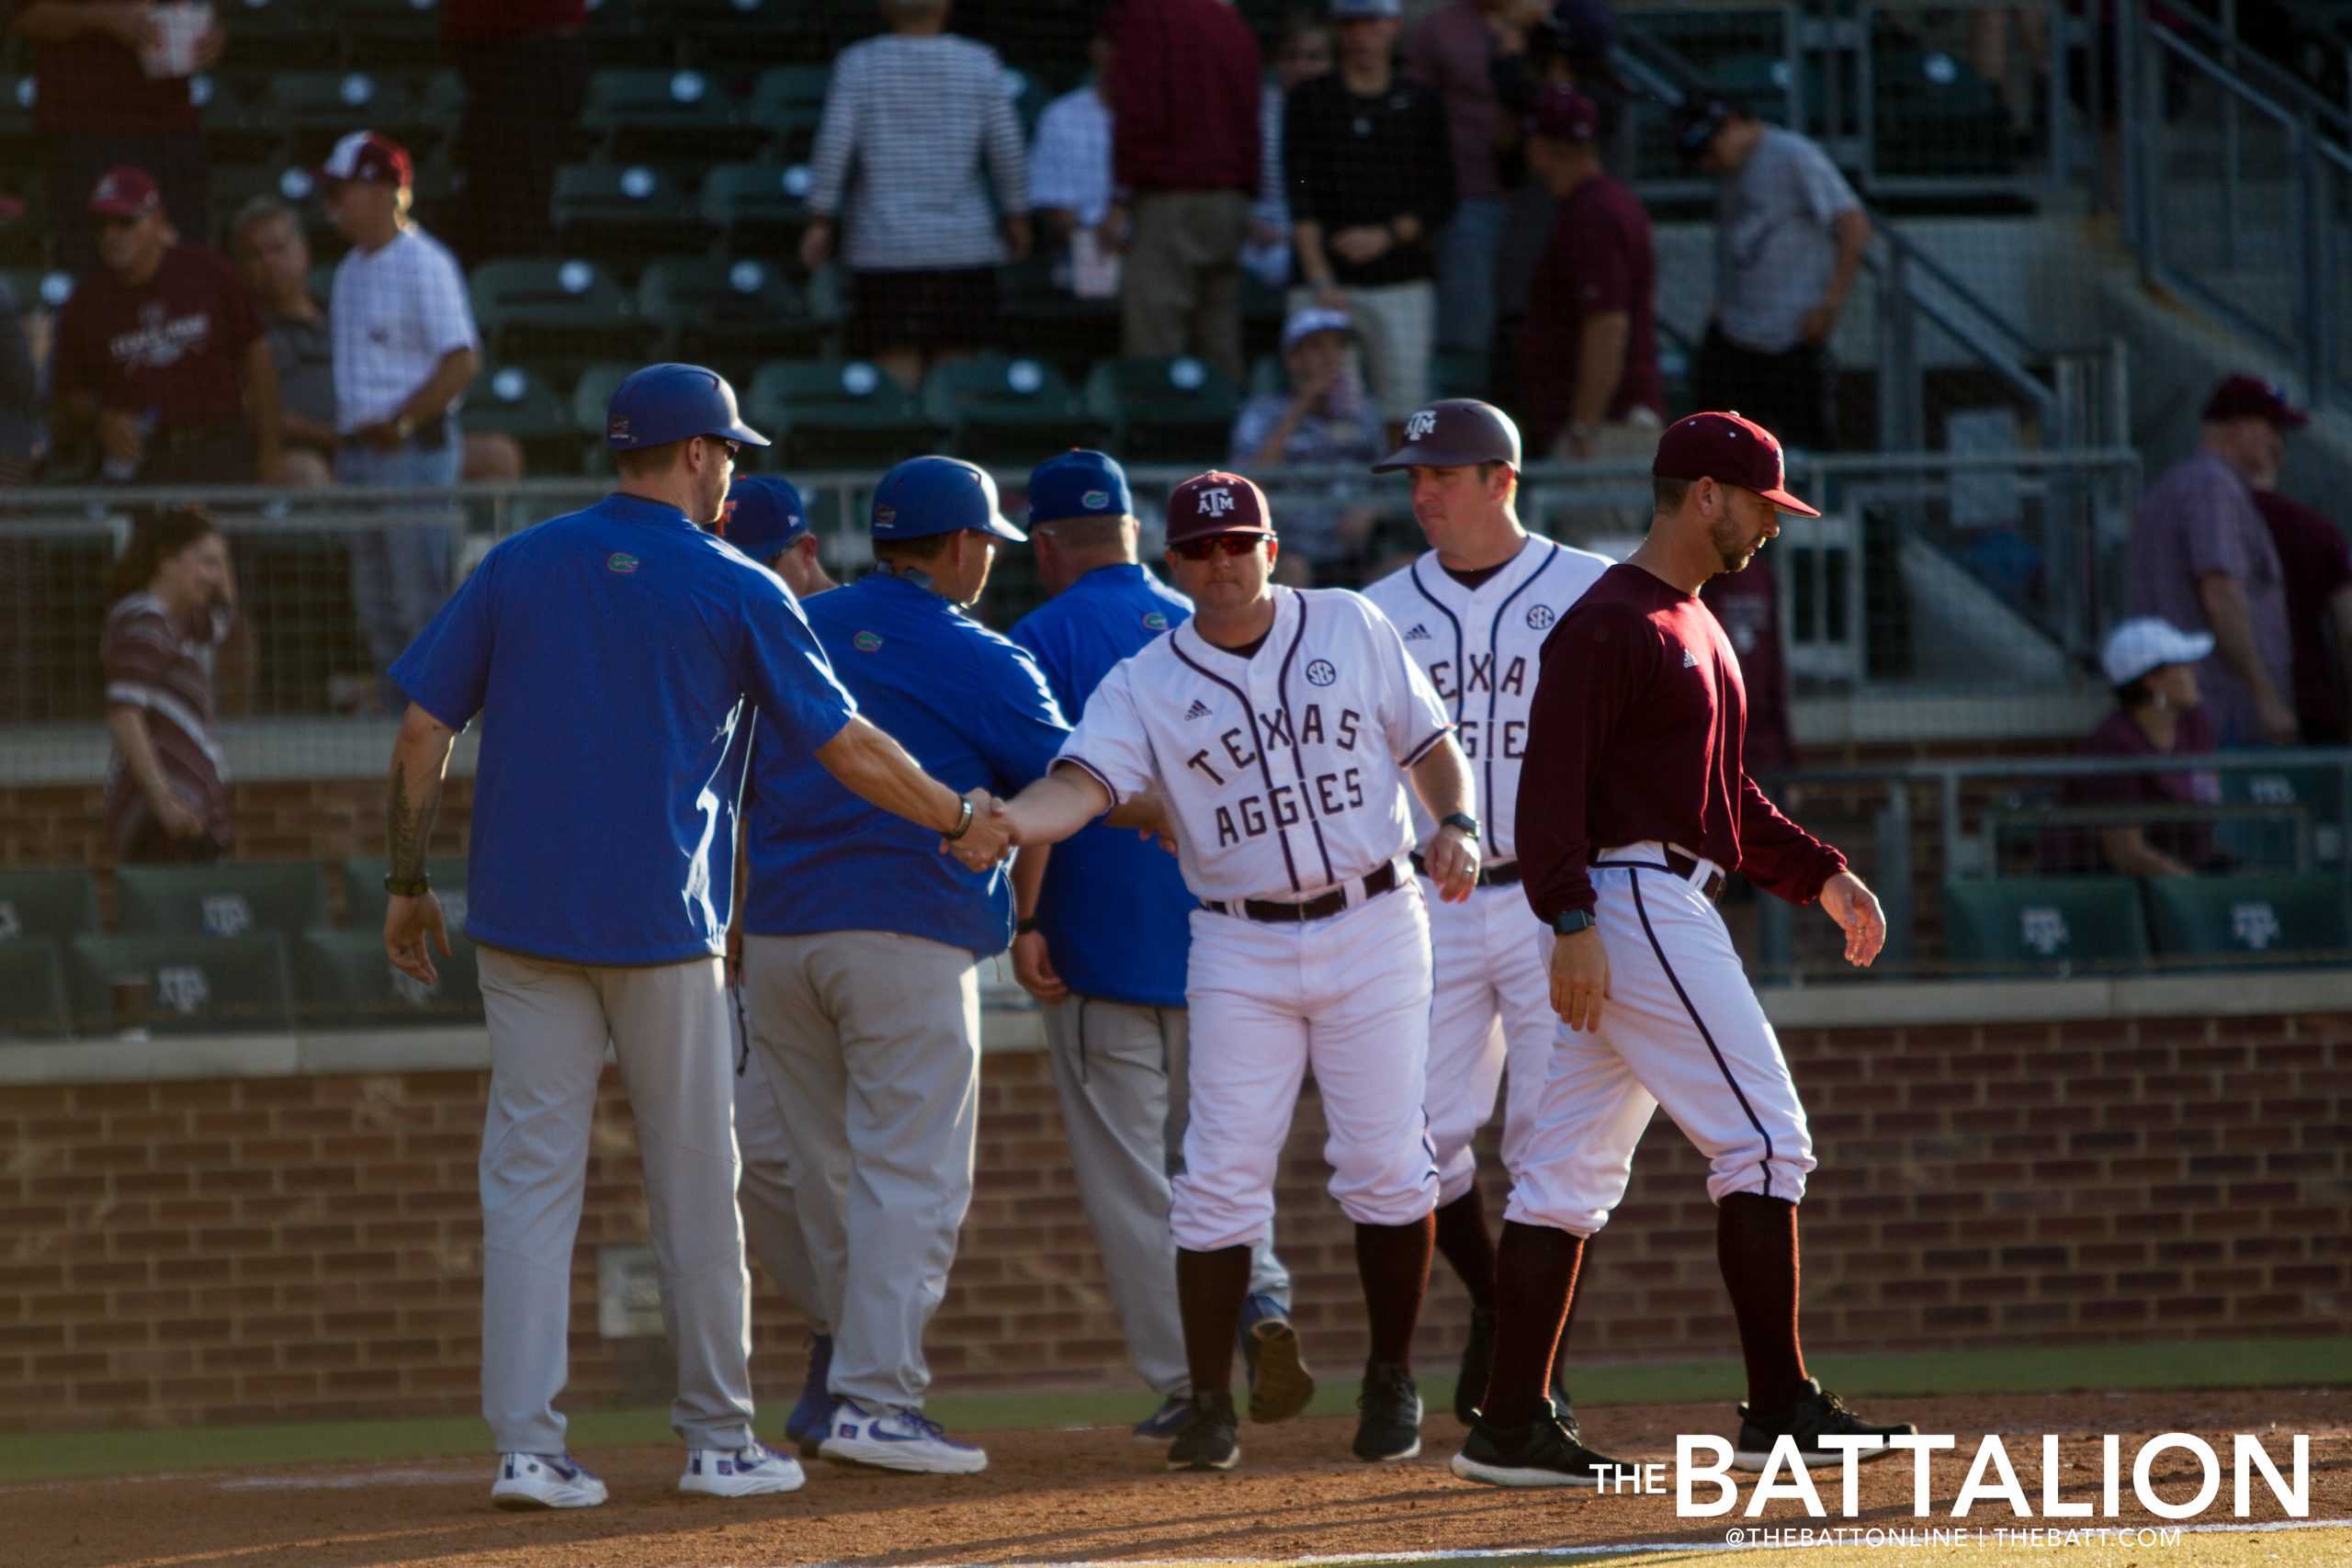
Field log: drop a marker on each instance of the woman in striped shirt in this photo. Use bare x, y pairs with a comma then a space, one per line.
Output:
167, 786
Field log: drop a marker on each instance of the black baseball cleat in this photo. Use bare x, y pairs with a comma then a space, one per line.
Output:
1541, 1453
1477, 1361
1390, 1424
1561, 1406
1208, 1440
1280, 1384
1808, 1418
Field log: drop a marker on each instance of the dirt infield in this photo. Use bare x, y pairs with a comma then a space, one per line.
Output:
1094, 1494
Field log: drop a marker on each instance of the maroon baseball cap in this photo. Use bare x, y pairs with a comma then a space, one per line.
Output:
366, 156
1731, 451
2251, 397
125, 192
1563, 114
1216, 502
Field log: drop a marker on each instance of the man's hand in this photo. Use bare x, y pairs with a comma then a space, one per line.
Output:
1853, 906
381, 436
817, 245
1113, 232
1453, 862
1330, 295
174, 816
1017, 238
408, 922
120, 436
1033, 968
985, 840
2280, 726
1821, 320
735, 950
1362, 243
1579, 978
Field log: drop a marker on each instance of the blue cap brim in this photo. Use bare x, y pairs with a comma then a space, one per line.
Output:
743, 433
1002, 526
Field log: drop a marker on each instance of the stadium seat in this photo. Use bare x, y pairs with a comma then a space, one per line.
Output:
334, 102
757, 208
832, 413
555, 312
192, 985
655, 113
1933, 116
2044, 925
1164, 410
1041, 320
787, 105
726, 314
513, 403
363, 897
32, 991
623, 213
219, 900
36, 905
1011, 411
592, 395
730, 34
346, 980
2278, 920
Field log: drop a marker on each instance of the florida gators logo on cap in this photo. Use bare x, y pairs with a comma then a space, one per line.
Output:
1096, 500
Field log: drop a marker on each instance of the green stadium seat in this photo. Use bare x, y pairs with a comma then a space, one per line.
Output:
334, 102
657, 113
364, 896
1933, 116
832, 413
513, 403
38, 905
555, 312
347, 981
756, 207
1011, 410
32, 991
592, 395
787, 105
223, 901
2044, 925
193, 985
1164, 410
623, 213
2277, 920
728, 313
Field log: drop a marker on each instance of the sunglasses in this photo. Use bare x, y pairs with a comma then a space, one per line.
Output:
1227, 544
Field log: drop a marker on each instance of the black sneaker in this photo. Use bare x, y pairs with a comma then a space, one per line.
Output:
1811, 1416
1389, 1424
1477, 1361
1207, 1440
1280, 1384
1541, 1453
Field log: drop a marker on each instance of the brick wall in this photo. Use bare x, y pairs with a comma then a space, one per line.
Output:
308, 1247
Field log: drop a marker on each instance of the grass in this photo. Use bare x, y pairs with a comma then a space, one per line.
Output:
2252, 1363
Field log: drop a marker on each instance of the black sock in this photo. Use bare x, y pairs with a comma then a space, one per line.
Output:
1756, 1246
1394, 1263
1461, 1238
1210, 1288
1535, 1279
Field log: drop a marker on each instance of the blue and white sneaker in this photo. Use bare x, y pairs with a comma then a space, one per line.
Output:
756, 1472
1280, 1384
545, 1481
897, 1439
1162, 1424
810, 1418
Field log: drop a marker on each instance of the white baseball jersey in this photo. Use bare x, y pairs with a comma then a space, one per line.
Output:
1284, 771
1480, 647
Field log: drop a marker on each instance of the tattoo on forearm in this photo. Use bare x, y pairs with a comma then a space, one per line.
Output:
409, 827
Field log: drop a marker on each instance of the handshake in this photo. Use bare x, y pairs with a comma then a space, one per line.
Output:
988, 837
1045, 813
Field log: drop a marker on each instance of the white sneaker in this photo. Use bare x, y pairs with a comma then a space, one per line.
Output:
756, 1472
897, 1439
545, 1481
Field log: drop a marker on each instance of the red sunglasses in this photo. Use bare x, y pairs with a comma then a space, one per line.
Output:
1230, 544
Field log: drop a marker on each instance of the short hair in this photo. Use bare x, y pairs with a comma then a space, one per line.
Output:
897, 11
1666, 495
646, 461
257, 211
1487, 474
1086, 533
928, 547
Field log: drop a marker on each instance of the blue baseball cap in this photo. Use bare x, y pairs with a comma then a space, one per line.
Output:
663, 403
1081, 483
764, 515
923, 496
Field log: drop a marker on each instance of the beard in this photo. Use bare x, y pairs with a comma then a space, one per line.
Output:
1733, 544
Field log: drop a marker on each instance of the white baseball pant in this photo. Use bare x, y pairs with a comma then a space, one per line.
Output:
1680, 1027
1490, 1022
770, 1219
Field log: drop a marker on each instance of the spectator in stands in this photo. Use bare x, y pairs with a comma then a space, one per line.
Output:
910, 119
111, 89
1370, 179
267, 241
1452, 52
21, 437
2316, 568
405, 350
525, 65
167, 789
1183, 170
2153, 666
160, 358
2201, 559
1302, 52
1588, 352
1326, 419
1069, 166
1747, 603
1790, 235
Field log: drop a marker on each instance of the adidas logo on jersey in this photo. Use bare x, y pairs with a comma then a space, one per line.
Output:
1198, 710
1418, 634
1689, 660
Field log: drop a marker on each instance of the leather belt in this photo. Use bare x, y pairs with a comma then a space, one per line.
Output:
1681, 865
1503, 875
1322, 906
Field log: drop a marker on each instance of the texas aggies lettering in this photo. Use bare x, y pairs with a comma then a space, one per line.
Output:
1283, 806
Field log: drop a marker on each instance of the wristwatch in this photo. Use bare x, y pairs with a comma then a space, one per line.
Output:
408, 886
963, 822
1462, 821
404, 427
1023, 927
1568, 922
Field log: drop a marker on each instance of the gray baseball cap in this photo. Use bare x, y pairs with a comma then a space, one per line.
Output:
1454, 433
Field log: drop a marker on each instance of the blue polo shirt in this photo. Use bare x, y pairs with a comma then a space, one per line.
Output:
971, 708
615, 656
1113, 908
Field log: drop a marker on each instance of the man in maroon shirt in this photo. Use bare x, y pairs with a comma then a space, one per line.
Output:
1184, 165
1633, 803
160, 354
96, 109
2317, 569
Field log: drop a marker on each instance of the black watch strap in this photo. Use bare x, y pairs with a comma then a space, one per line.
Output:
962, 823
1023, 927
1568, 922
407, 886
1464, 821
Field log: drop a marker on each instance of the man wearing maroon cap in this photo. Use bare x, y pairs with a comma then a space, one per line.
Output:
1282, 727
405, 350
160, 356
1634, 805
2203, 559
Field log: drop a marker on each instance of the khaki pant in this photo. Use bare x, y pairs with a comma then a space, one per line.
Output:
1181, 289
1634, 438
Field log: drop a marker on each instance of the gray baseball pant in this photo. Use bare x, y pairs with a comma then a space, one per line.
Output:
1120, 1070
770, 1219
549, 1024
873, 1043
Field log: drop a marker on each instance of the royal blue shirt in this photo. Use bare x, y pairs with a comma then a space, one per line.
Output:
971, 708
1113, 908
615, 656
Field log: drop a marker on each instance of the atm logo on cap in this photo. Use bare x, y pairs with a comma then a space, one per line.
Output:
1216, 502
1423, 423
